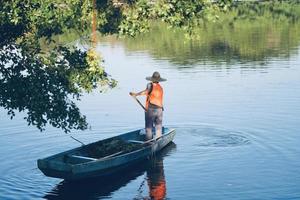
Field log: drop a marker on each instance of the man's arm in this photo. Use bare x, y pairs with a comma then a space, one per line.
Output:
144, 92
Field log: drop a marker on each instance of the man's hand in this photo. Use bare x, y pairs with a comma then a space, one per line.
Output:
133, 94
144, 92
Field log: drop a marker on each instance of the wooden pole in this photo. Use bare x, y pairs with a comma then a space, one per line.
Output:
140, 103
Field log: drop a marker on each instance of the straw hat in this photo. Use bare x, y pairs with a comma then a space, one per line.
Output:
155, 77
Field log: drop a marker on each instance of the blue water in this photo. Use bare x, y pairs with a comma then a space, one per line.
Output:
237, 128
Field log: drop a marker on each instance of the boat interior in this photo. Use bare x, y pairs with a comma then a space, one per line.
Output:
104, 149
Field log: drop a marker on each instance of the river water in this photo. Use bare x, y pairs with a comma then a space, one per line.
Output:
233, 100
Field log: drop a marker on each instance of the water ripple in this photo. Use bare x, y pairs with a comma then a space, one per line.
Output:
209, 136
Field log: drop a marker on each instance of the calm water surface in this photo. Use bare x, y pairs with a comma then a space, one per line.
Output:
235, 110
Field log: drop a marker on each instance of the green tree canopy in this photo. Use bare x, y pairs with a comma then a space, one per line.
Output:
45, 83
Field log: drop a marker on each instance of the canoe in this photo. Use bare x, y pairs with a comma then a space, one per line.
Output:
103, 187
104, 157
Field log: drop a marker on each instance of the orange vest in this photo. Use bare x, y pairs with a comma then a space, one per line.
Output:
156, 96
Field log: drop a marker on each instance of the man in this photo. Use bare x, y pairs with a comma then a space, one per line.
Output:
154, 105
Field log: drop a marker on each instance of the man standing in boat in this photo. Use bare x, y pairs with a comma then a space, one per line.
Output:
154, 105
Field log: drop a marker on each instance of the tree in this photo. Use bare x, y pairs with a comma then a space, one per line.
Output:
45, 84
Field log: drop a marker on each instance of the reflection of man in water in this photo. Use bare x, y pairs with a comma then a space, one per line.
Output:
156, 181
155, 176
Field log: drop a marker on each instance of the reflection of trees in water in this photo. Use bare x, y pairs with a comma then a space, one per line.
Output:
244, 42
104, 187
249, 32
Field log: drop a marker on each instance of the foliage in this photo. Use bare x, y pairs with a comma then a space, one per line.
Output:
109, 17
41, 83
133, 17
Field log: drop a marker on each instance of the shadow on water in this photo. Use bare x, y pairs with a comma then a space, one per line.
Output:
104, 187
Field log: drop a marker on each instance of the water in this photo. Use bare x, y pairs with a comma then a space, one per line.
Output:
235, 110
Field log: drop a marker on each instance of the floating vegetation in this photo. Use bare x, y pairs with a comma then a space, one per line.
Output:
108, 147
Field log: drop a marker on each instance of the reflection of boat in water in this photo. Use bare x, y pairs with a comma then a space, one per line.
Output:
104, 187
104, 157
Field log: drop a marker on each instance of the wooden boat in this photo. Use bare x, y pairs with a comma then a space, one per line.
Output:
102, 187
104, 157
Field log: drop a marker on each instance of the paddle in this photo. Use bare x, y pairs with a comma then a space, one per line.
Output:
145, 142
153, 139
139, 102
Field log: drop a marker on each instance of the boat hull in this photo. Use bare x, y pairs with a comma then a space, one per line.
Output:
53, 167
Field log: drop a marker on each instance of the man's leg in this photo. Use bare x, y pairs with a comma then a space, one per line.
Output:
158, 123
149, 123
